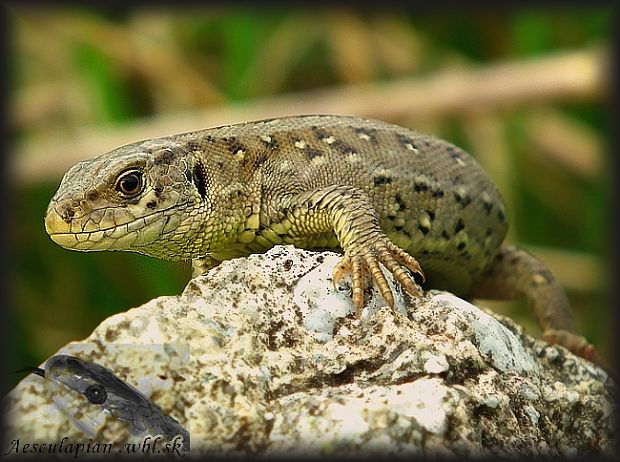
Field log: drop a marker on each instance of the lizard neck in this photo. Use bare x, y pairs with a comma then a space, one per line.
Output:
230, 219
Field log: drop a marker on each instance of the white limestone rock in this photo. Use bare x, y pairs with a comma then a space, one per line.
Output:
263, 356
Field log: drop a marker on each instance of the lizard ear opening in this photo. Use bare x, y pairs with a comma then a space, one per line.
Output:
199, 180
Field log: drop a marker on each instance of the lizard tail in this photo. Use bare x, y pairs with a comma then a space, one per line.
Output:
515, 273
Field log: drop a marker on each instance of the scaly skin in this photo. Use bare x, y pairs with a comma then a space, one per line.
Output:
382, 193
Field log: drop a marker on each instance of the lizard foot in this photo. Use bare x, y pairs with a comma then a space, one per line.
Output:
574, 343
202, 265
363, 264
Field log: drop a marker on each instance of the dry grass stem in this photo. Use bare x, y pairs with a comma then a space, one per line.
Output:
562, 77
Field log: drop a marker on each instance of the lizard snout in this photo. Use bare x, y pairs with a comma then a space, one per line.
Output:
58, 221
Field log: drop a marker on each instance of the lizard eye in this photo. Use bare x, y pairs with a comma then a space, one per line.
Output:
130, 183
96, 394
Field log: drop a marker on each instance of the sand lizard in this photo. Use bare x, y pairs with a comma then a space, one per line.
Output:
382, 193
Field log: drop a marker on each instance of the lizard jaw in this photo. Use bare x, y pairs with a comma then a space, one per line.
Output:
137, 235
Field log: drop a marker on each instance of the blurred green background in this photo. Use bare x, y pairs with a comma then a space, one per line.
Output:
523, 90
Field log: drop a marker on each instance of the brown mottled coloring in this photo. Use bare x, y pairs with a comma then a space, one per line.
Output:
383, 194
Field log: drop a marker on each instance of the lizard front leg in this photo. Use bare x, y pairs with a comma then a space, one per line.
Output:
349, 213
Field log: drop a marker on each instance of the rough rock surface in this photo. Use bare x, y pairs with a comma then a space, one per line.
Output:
262, 357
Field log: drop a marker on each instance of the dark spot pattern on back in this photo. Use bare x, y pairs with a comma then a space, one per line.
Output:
319, 133
371, 133
381, 180
455, 153
399, 200
194, 145
343, 147
404, 140
488, 206
312, 153
272, 143
420, 186
235, 146
464, 201
459, 226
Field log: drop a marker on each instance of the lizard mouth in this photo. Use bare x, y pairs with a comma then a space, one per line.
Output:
134, 234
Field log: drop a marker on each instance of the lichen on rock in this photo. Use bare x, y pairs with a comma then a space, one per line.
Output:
263, 356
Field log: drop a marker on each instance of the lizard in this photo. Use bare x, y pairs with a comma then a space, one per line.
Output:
383, 194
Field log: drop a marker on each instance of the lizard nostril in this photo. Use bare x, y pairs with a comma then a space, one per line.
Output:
67, 213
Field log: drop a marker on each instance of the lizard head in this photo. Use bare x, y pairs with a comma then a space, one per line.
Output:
152, 197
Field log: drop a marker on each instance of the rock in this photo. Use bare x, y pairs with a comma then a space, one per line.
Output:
262, 356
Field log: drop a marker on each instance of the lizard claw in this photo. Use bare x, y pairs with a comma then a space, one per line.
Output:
365, 265
359, 279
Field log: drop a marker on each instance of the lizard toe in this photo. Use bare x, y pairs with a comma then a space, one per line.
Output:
406, 259
396, 268
372, 263
364, 265
359, 279
341, 270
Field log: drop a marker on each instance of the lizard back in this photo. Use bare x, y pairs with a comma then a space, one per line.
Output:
432, 198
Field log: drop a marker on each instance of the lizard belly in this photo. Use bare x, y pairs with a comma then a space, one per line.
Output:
445, 274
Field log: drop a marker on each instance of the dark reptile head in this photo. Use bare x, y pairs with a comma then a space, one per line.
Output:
100, 387
95, 383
